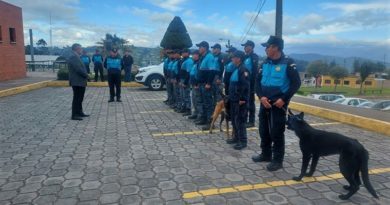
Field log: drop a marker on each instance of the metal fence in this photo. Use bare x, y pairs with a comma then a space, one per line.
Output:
45, 65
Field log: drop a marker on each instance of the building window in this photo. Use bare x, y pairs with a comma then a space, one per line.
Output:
368, 83
346, 82
327, 81
12, 35
337, 82
1, 35
358, 82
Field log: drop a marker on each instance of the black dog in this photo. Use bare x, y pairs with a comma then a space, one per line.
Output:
316, 143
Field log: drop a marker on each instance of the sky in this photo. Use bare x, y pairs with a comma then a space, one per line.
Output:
330, 27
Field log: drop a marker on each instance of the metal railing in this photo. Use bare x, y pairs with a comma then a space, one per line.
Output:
45, 65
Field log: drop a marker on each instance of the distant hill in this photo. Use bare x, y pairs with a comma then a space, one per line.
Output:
346, 62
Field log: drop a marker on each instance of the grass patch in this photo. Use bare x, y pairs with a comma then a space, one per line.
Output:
347, 91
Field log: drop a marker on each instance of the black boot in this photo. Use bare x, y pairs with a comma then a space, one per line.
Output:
239, 146
187, 113
111, 100
273, 166
181, 110
261, 158
232, 141
201, 122
193, 117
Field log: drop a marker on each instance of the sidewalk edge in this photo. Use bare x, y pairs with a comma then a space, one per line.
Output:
355, 120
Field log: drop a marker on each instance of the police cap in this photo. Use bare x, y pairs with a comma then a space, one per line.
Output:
274, 40
249, 43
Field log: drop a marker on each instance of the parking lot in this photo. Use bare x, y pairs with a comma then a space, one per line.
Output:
141, 152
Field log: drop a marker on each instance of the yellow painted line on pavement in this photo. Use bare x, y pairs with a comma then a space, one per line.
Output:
217, 130
271, 184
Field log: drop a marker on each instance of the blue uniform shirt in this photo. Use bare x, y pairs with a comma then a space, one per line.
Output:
208, 62
113, 63
278, 79
85, 59
248, 64
239, 85
97, 58
187, 65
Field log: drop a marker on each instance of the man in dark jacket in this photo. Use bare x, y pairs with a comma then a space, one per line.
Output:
127, 64
97, 60
239, 88
78, 77
277, 81
114, 65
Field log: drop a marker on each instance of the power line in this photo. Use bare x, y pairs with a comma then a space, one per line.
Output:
251, 19
254, 20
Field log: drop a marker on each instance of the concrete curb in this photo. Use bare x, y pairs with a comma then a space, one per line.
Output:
355, 120
24, 88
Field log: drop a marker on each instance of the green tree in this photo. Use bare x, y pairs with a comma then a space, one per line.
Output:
316, 69
41, 43
337, 73
112, 41
364, 69
176, 36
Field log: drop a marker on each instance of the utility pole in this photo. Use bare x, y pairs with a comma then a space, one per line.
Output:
32, 50
279, 18
51, 37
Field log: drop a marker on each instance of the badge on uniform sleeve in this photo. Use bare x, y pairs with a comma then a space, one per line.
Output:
277, 68
294, 66
246, 74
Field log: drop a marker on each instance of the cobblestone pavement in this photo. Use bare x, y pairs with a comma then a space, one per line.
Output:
112, 157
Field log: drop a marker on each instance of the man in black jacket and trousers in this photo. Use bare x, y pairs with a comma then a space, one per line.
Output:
78, 77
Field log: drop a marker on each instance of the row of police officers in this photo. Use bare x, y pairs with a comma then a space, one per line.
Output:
195, 84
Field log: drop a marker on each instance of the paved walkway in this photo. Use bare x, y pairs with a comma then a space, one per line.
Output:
120, 155
32, 77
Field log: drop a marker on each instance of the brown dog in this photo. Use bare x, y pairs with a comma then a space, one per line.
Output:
220, 109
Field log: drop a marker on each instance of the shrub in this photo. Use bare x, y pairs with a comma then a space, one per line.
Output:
63, 74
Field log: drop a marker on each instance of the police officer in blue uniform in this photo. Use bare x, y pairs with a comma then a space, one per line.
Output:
229, 68
239, 88
170, 87
185, 68
114, 65
219, 69
277, 81
207, 73
175, 80
166, 62
195, 91
97, 60
251, 63
86, 60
